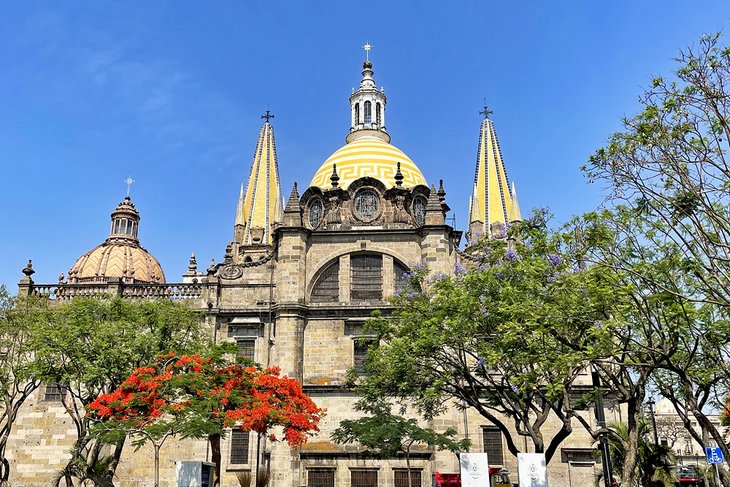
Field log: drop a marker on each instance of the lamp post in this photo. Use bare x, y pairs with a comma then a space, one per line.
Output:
601, 420
650, 404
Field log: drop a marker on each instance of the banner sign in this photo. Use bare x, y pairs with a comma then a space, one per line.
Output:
532, 470
474, 469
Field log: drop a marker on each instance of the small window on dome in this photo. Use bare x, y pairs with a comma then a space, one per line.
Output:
378, 116
357, 113
368, 112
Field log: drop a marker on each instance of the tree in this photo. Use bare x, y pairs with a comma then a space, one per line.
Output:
506, 336
196, 396
19, 321
655, 462
385, 434
668, 176
90, 346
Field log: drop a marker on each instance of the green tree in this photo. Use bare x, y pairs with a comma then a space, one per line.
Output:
91, 346
385, 435
668, 175
655, 462
19, 321
506, 336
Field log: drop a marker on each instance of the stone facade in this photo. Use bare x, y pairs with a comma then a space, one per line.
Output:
300, 302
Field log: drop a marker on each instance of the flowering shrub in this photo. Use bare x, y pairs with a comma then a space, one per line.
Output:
199, 395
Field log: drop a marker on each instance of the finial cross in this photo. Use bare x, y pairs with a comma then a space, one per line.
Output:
129, 182
367, 48
486, 111
268, 115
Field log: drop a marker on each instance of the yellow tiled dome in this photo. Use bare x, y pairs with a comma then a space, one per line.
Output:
368, 156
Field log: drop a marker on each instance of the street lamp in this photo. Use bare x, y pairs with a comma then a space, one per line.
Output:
650, 403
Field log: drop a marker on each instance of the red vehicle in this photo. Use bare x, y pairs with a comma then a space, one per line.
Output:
689, 476
498, 477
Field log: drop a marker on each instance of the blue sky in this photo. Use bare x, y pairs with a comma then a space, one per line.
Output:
171, 92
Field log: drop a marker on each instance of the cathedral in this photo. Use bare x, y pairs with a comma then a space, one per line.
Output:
294, 287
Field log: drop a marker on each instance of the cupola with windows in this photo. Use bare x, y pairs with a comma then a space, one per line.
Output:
120, 256
368, 151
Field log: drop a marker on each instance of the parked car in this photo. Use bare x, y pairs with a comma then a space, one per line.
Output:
688, 476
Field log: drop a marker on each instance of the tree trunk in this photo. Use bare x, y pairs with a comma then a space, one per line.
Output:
628, 476
215, 456
408, 466
157, 464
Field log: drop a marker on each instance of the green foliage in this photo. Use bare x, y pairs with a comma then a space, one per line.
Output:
655, 462
385, 434
92, 345
507, 335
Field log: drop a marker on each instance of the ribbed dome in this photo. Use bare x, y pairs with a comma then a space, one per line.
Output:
120, 256
125, 260
368, 156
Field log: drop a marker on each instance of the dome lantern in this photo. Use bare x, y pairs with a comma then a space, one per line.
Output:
367, 106
120, 256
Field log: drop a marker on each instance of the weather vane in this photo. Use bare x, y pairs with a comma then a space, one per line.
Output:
486, 111
129, 182
268, 115
367, 48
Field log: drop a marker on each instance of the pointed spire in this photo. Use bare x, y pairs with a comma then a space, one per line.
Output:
441, 192
259, 207
516, 215
292, 211
492, 202
192, 263
434, 210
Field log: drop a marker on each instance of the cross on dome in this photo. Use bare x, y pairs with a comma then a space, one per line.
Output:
129, 182
367, 48
268, 116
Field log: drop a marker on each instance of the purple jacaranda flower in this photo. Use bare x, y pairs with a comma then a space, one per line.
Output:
502, 233
458, 268
514, 389
554, 259
511, 255
412, 295
480, 362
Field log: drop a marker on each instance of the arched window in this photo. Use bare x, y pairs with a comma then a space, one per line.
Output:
357, 113
400, 276
366, 277
327, 287
378, 116
368, 112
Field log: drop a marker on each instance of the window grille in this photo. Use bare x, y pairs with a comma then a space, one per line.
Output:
321, 477
357, 114
400, 478
366, 277
54, 392
239, 447
400, 273
368, 112
493, 445
360, 353
364, 478
246, 348
378, 116
327, 287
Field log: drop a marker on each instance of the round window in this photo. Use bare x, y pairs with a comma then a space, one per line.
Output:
316, 209
366, 205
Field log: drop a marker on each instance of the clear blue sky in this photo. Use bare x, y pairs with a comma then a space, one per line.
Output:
171, 93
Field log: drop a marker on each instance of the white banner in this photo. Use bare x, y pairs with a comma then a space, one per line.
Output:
532, 469
474, 470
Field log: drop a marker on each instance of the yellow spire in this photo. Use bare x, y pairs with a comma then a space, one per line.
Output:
493, 204
260, 207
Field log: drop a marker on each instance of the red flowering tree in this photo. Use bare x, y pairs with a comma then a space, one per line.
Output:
195, 396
